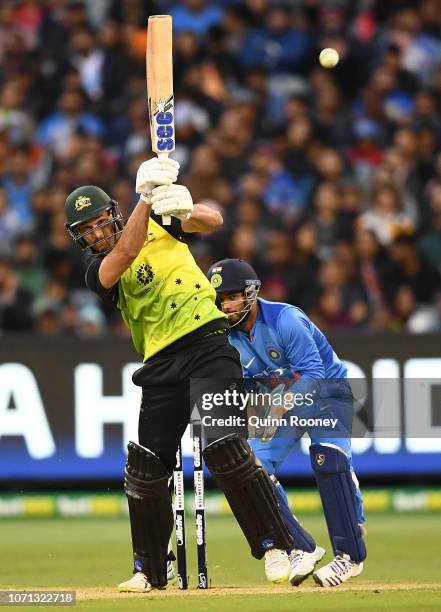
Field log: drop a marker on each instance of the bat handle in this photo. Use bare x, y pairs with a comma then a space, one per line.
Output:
166, 219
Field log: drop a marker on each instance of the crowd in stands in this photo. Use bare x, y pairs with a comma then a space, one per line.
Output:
329, 181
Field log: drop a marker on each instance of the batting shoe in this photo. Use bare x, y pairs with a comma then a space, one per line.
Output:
303, 563
138, 583
277, 566
338, 571
171, 576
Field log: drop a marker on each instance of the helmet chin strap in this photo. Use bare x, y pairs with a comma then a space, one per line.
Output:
250, 297
241, 323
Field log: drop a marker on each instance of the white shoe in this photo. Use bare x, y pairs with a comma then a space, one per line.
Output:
277, 566
171, 576
338, 571
303, 563
138, 583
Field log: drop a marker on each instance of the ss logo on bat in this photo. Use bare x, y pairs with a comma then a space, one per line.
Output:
164, 131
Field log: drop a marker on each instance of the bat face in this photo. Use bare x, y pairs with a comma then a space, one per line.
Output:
160, 83
162, 124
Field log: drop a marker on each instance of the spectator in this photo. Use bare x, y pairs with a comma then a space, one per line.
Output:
331, 121
116, 67
366, 153
91, 322
278, 252
375, 270
386, 219
281, 194
244, 244
88, 59
27, 267
196, 16
10, 224
430, 243
15, 303
304, 266
62, 260
279, 46
56, 131
129, 134
341, 301
205, 171
330, 222
13, 118
404, 304
17, 183
329, 166
421, 278
28, 18
47, 314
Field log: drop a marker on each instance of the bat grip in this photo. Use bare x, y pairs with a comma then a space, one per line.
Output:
166, 219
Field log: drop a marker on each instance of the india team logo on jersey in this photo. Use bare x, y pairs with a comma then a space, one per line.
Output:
274, 353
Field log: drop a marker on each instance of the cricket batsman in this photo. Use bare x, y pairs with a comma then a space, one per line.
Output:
278, 340
146, 271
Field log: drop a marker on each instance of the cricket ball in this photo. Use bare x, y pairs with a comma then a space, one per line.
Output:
328, 58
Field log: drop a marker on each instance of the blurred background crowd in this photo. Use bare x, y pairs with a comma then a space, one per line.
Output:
329, 181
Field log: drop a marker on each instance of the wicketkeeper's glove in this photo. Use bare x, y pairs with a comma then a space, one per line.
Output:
272, 408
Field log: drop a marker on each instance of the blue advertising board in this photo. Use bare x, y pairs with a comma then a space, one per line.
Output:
69, 407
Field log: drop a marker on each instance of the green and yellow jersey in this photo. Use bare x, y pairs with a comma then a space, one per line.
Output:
163, 295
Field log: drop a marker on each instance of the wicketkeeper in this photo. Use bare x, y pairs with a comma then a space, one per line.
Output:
278, 341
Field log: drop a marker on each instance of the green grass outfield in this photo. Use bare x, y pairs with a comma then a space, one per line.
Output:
92, 555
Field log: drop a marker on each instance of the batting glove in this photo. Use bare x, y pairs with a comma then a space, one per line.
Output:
155, 172
174, 200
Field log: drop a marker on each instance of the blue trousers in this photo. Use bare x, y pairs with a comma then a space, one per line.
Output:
334, 401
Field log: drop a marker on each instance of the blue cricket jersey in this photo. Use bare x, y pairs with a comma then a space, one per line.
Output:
285, 342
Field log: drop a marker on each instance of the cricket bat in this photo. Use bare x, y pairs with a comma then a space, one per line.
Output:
159, 67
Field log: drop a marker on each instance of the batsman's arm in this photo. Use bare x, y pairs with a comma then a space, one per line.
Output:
203, 219
128, 246
151, 174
